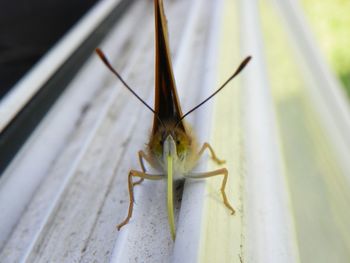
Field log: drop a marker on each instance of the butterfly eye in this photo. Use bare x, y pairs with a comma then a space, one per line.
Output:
177, 142
161, 142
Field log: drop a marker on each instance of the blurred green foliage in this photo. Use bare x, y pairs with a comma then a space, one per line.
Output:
330, 20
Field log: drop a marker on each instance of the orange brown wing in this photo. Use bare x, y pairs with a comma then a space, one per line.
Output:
167, 104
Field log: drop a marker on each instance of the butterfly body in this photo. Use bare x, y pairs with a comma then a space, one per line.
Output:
181, 145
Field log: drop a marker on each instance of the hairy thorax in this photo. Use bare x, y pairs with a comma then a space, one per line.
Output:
185, 157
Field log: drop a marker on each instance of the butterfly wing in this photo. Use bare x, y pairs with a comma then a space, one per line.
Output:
167, 105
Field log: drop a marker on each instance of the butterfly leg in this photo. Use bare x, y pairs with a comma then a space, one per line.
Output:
142, 175
142, 156
213, 155
222, 172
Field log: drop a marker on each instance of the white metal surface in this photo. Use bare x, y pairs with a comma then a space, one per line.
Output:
60, 134
269, 225
190, 223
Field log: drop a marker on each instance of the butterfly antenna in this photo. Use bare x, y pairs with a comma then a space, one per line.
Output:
109, 66
238, 70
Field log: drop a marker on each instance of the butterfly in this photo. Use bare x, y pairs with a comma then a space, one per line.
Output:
172, 147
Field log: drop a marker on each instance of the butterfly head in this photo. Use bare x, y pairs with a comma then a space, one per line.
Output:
170, 140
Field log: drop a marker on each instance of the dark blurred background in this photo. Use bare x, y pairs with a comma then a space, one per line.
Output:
28, 29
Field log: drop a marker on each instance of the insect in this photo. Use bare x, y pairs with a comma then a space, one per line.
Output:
172, 148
